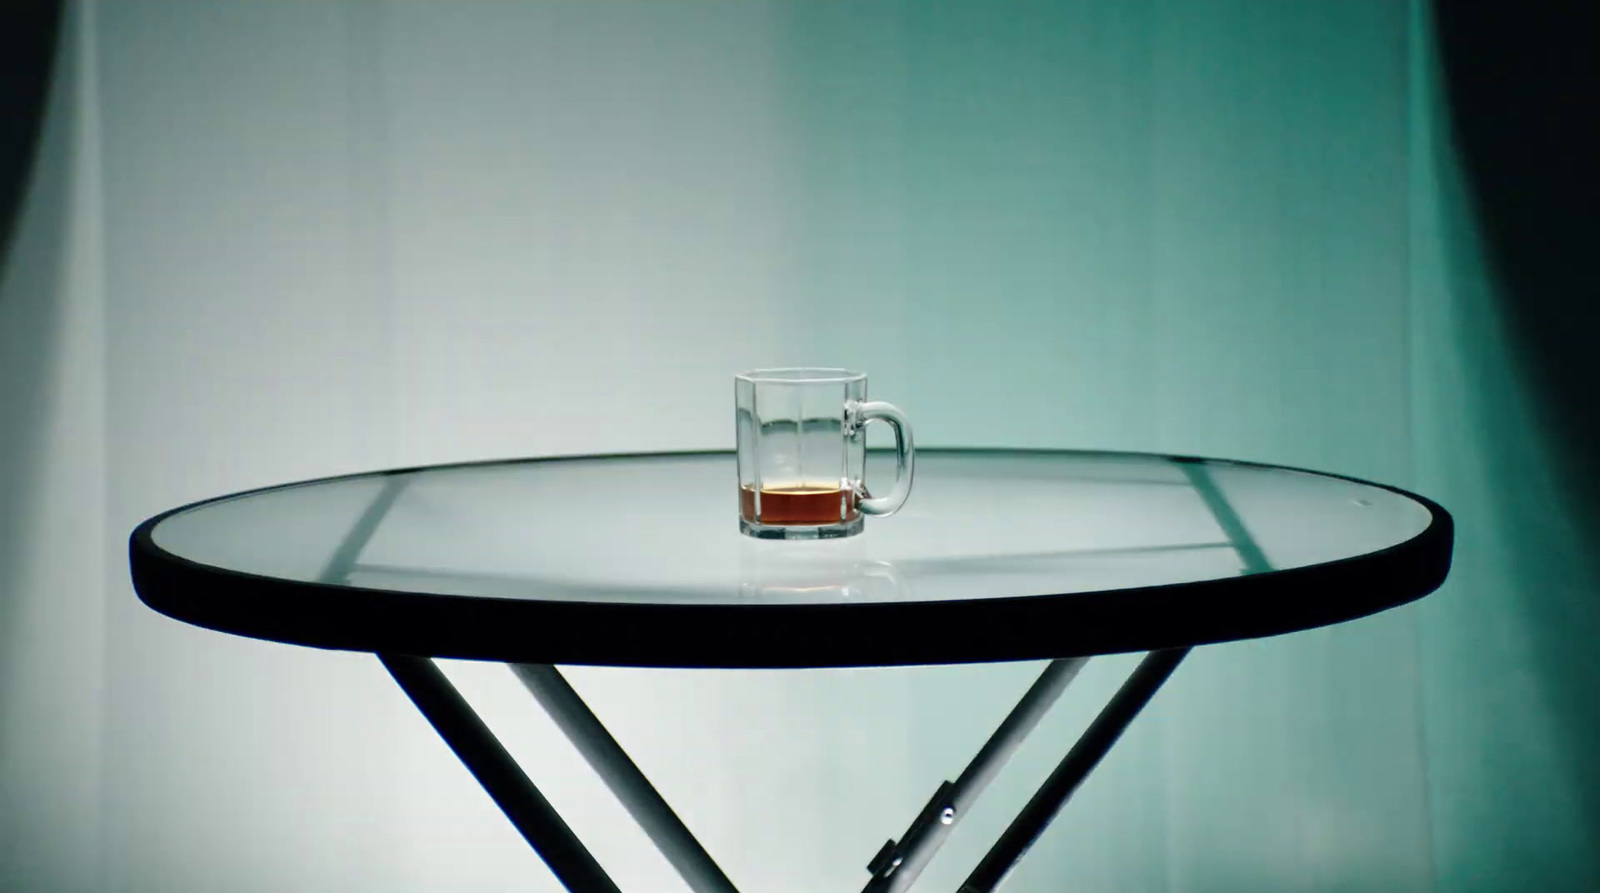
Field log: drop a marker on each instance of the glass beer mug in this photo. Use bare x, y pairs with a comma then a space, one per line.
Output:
803, 450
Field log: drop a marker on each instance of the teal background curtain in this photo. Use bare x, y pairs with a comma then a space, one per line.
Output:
267, 241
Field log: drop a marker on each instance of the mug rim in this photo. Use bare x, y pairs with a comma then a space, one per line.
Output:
801, 375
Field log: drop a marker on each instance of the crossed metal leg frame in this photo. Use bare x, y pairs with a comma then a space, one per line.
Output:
897, 863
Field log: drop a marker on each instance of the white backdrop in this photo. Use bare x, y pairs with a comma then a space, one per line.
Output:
269, 241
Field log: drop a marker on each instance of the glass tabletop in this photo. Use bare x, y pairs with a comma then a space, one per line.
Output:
663, 530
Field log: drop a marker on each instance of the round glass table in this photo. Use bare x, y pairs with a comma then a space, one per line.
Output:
637, 560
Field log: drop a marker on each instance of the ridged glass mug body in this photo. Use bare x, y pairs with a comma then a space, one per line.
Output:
802, 453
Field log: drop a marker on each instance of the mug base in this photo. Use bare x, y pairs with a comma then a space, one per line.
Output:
802, 531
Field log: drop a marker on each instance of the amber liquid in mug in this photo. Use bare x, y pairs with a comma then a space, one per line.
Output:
798, 505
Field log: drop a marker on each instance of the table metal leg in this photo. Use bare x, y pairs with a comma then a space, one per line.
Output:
894, 868
1079, 762
897, 865
612, 764
498, 773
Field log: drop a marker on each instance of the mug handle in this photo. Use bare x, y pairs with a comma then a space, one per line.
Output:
877, 410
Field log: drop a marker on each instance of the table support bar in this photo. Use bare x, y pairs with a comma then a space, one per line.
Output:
630, 786
1107, 727
499, 774
897, 865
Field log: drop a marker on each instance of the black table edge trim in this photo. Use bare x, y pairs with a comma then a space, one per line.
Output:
789, 635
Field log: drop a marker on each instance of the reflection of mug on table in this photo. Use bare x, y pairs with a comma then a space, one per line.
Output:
825, 571
863, 581
803, 449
